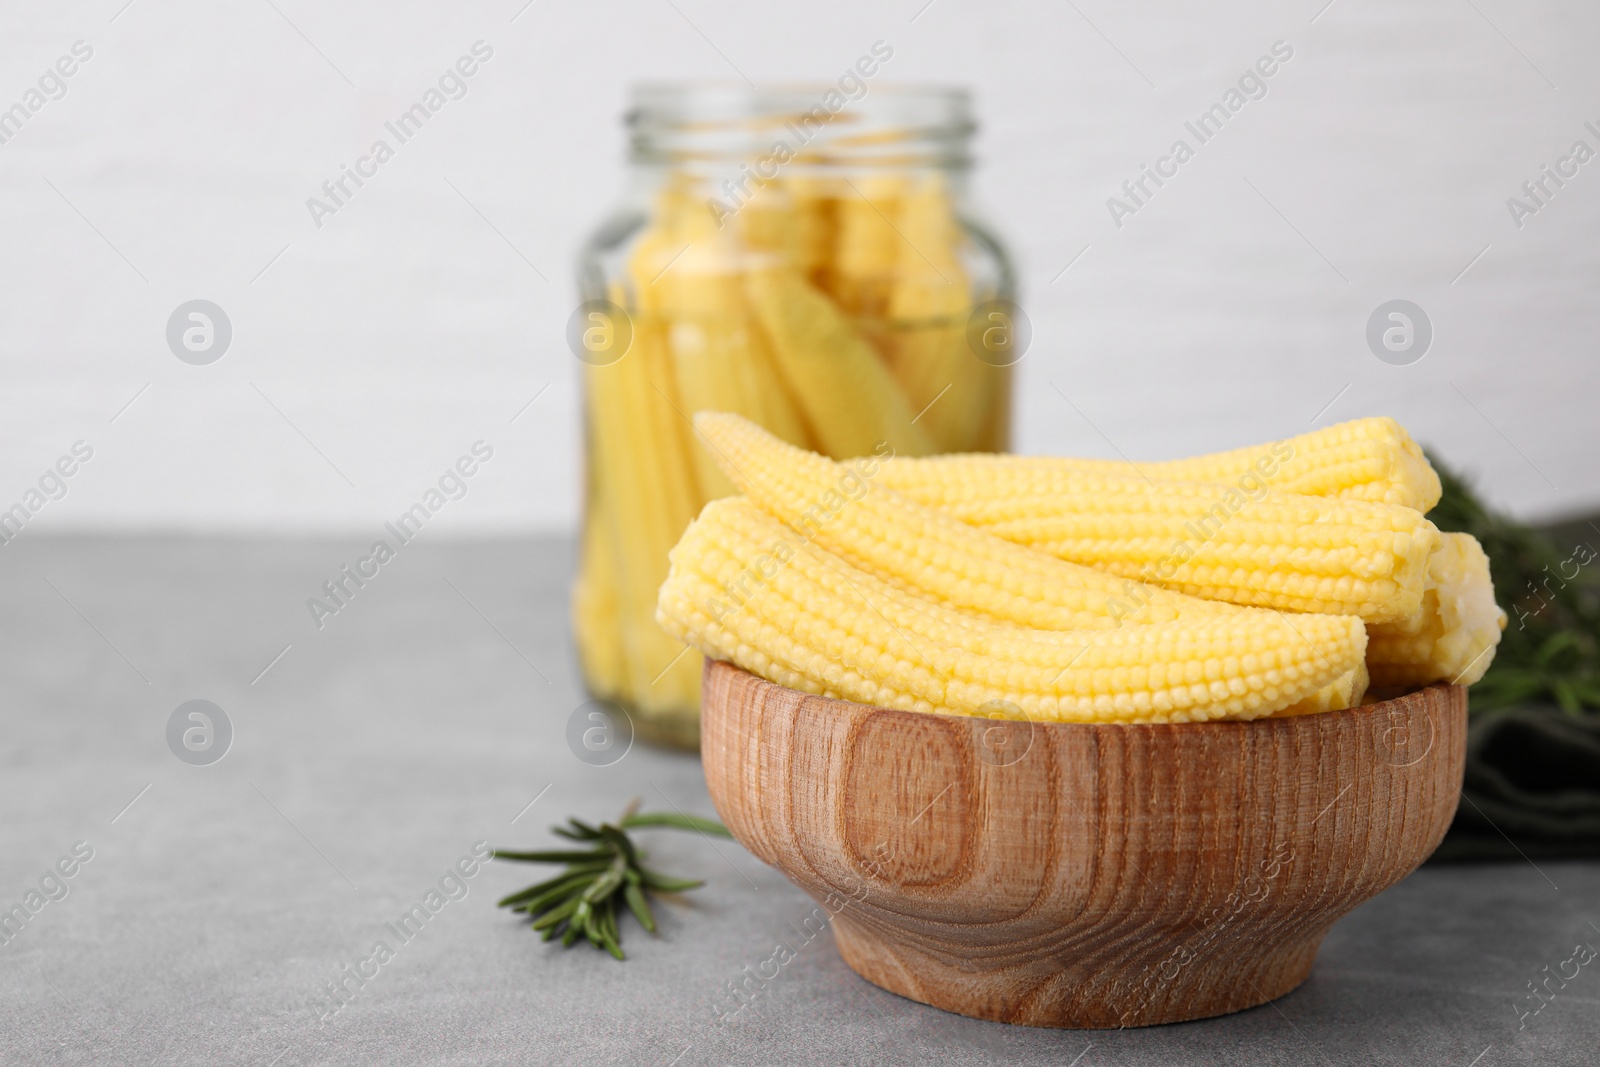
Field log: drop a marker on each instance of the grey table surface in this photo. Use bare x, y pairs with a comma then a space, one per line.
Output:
430, 713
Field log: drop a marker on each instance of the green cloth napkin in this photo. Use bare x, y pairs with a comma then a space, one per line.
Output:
1532, 787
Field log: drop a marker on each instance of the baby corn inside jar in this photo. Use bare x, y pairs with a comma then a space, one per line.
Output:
802, 256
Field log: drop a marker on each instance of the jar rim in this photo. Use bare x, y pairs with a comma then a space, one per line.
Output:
850, 122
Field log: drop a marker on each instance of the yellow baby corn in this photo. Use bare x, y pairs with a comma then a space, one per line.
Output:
639, 450
846, 395
925, 345
1452, 637
840, 508
1366, 459
817, 623
868, 248
1278, 550
720, 360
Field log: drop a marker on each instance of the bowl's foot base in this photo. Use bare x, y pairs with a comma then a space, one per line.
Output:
1094, 992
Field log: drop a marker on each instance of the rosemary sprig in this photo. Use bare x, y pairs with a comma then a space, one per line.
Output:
586, 899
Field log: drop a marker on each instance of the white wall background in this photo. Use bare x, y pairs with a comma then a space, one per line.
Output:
178, 164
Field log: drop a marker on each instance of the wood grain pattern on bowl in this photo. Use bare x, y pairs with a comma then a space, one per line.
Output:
1076, 875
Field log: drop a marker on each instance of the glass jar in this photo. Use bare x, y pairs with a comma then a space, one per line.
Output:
806, 257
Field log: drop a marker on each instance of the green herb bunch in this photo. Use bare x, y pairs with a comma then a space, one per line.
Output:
587, 898
1550, 591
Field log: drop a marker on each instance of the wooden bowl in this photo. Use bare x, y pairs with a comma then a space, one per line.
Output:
1081, 875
